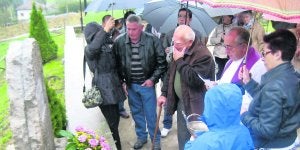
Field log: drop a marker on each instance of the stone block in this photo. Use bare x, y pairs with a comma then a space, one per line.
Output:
29, 112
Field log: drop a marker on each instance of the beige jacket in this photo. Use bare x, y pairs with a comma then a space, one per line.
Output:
215, 40
257, 37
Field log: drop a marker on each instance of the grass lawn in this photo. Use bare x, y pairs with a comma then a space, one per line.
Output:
97, 17
3, 50
5, 132
53, 71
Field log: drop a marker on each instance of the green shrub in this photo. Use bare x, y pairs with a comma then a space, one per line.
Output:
71, 6
39, 31
57, 110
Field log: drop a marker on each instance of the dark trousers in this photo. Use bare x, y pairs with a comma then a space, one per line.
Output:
112, 116
183, 133
221, 62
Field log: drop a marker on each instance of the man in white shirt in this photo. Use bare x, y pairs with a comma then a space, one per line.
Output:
236, 44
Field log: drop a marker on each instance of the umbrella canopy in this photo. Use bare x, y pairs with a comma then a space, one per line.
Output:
284, 9
105, 5
215, 12
271, 17
162, 15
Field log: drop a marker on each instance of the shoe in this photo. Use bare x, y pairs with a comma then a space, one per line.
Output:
124, 114
164, 132
139, 144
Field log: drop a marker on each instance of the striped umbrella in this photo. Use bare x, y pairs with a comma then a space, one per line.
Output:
284, 9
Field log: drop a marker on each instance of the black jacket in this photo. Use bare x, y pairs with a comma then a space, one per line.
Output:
105, 77
274, 113
150, 52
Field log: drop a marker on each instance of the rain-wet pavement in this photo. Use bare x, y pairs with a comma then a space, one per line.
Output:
78, 115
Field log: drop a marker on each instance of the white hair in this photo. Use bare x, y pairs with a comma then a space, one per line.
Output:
186, 31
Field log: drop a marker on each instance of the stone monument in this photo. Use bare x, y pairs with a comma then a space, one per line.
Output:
29, 112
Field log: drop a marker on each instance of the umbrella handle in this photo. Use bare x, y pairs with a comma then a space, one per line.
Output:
251, 34
156, 126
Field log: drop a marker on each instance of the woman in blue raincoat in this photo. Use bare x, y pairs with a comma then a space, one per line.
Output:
222, 116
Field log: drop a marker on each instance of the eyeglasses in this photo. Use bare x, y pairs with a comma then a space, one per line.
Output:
265, 53
231, 47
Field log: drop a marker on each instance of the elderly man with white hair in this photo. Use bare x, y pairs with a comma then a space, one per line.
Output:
183, 90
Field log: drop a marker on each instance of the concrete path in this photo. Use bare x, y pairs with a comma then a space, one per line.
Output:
77, 114
92, 118
128, 136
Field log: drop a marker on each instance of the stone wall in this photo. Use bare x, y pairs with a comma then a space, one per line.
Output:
29, 113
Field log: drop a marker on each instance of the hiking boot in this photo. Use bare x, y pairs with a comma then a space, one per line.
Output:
164, 132
139, 144
124, 114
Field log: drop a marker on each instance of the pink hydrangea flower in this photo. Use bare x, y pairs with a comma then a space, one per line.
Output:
102, 139
79, 129
105, 148
91, 132
93, 142
104, 145
82, 138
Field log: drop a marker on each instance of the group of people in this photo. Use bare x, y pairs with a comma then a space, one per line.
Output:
256, 85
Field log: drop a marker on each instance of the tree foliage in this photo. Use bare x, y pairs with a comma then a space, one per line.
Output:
7, 3
8, 12
39, 31
57, 111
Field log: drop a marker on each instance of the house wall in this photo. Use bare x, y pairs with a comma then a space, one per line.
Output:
23, 14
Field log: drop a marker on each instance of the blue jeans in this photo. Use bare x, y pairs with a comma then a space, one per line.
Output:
167, 119
142, 103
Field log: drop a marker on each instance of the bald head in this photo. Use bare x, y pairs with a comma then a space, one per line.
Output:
185, 32
183, 37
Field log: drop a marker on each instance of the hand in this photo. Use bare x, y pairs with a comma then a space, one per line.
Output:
244, 74
178, 53
192, 138
148, 83
125, 88
222, 38
167, 50
161, 101
210, 84
109, 24
244, 109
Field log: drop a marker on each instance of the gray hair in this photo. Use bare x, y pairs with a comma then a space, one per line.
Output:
242, 35
134, 18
